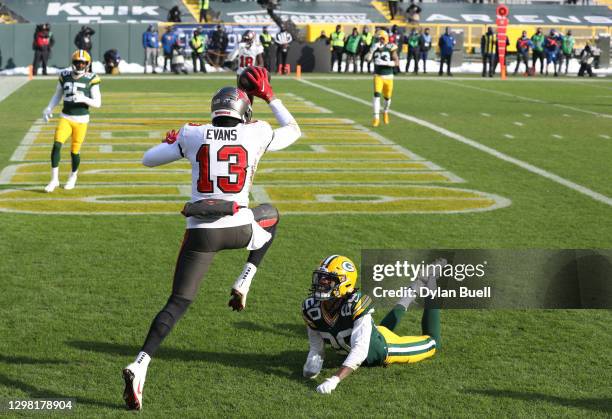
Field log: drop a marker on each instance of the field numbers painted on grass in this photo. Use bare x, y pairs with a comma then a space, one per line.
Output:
338, 167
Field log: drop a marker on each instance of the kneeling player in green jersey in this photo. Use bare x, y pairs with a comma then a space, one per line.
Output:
338, 314
79, 89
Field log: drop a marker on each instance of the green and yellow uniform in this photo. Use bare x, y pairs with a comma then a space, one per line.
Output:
75, 116
382, 55
385, 347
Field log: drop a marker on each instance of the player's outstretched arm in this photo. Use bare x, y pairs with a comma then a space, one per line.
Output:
55, 99
316, 354
360, 344
289, 132
166, 152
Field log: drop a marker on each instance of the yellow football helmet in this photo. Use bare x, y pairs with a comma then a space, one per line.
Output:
80, 61
335, 277
382, 36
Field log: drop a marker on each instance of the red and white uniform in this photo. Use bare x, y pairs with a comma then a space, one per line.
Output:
224, 161
246, 55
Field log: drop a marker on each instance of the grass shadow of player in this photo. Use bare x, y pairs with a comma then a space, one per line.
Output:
270, 363
290, 330
603, 404
26, 360
42, 393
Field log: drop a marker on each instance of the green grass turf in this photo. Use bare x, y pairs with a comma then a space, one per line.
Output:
78, 293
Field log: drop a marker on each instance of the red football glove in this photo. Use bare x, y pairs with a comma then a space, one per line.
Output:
259, 77
171, 136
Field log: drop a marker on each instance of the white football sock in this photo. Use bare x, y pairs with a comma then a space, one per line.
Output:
142, 361
55, 174
243, 282
387, 104
376, 104
409, 299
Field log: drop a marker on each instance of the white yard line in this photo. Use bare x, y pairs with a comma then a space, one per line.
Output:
9, 85
604, 136
557, 136
525, 98
510, 136
481, 147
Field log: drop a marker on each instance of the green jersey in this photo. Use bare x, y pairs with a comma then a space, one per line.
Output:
336, 328
538, 42
382, 55
352, 43
71, 86
568, 45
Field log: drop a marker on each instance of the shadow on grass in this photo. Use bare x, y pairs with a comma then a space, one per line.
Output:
603, 405
275, 364
290, 330
26, 360
36, 392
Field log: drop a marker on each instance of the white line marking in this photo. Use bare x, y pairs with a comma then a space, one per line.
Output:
486, 149
509, 136
184, 190
485, 114
528, 99
557, 136
28, 139
318, 148
518, 124
604, 136
566, 115
527, 115
259, 194
20, 153
7, 174
443, 114
9, 85
105, 149
106, 135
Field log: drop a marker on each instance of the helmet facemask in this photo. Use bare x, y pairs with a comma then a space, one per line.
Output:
325, 285
79, 66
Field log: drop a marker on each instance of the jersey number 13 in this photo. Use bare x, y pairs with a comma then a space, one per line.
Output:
237, 158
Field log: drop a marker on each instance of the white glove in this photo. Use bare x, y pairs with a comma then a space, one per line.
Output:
313, 366
328, 385
47, 114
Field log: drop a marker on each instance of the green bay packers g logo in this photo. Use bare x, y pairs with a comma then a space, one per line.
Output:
348, 266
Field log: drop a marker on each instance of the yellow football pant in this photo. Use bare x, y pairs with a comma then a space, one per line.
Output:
66, 128
407, 349
384, 86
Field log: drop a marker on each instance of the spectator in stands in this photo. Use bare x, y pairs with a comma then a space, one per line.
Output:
446, 44
111, 61
364, 48
42, 44
282, 40
204, 5
413, 41
567, 50
351, 48
167, 41
424, 47
82, 40
198, 48
395, 37
265, 39
537, 41
218, 46
174, 15
413, 13
488, 42
551, 49
586, 60
150, 43
336, 40
392, 8
523, 45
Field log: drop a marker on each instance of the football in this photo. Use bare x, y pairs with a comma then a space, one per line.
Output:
243, 81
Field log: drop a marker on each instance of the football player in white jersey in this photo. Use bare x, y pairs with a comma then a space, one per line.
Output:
224, 156
249, 53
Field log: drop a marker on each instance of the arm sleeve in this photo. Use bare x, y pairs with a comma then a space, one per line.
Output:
234, 54
317, 346
95, 100
57, 96
161, 154
360, 342
289, 131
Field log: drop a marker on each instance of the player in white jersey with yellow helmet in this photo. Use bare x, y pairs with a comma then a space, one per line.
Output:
224, 157
384, 55
79, 90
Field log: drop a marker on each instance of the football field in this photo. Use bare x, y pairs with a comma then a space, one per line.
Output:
464, 163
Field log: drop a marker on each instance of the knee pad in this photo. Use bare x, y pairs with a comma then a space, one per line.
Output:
266, 215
